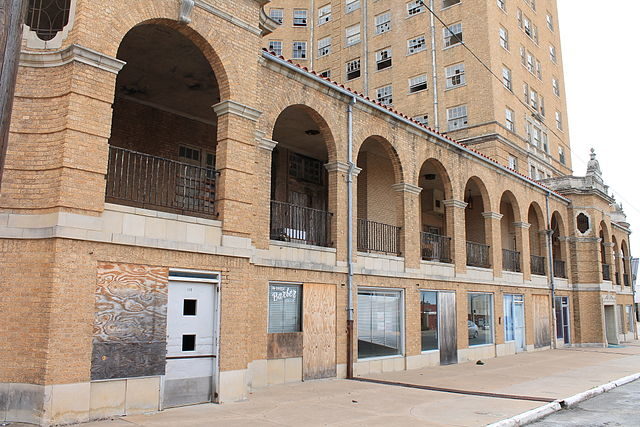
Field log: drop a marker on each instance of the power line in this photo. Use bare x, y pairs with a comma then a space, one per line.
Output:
482, 62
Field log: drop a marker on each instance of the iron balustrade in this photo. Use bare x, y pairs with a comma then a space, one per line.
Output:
559, 269
511, 260
378, 237
299, 224
626, 280
434, 247
538, 265
478, 255
142, 180
606, 272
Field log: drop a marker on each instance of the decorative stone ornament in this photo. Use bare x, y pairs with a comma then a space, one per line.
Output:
186, 7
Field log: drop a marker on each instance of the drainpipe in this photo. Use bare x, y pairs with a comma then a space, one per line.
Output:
552, 283
365, 46
434, 70
350, 237
312, 28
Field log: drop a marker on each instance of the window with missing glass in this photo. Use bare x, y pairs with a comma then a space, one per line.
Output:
285, 308
47, 17
379, 323
277, 15
415, 45
383, 23
480, 318
453, 35
454, 75
429, 320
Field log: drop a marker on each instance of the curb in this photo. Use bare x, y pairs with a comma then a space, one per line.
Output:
550, 408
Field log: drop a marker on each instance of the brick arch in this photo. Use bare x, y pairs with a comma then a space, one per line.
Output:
212, 49
562, 231
604, 229
319, 120
391, 152
442, 171
515, 206
537, 211
484, 193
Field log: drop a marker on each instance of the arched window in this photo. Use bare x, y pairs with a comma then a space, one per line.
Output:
48, 17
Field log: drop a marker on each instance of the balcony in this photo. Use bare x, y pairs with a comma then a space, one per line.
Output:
378, 237
538, 265
150, 182
434, 247
559, 269
511, 260
299, 224
606, 272
478, 255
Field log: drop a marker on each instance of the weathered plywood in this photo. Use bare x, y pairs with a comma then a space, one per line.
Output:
284, 345
319, 329
129, 330
541, 321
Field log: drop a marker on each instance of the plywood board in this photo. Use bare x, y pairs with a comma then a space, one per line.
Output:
284, 345
319, 330
541, 321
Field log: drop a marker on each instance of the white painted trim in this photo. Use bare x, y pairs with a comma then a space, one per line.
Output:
73, 53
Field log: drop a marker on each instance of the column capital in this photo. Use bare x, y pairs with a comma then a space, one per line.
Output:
492, 215
337, 167
522, 224
608, 244
455, 203
404, 187
232, 107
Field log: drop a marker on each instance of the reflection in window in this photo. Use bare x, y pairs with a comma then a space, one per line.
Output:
429, 320
48, 17
379, 323
480, 319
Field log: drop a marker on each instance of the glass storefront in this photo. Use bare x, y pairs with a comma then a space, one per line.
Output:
379, 323
429, 320
480, 318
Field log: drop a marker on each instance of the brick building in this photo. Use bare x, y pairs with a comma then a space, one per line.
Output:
185, 218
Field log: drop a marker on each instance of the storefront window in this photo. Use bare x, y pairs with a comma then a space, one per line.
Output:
429, 320
285, 308
379, 323
480, 319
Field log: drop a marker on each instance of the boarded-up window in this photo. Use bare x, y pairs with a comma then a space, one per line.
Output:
284, 308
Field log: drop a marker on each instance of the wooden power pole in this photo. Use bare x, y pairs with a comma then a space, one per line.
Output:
12, 13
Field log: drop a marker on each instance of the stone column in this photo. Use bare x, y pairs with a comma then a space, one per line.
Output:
262, 209
235, 160
409, 219
338, 207
493, 239
523, 246
455, 220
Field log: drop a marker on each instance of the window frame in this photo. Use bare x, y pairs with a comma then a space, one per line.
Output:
504, 41
491, 313
299, 295
304, 51
401, 321
416, 83
379, 26
280, 19
386, 96
414, 8
451, 119
450, 78
382, 57
272, 49
300, 21
359, 69
324, 14
510, 119
419, 47
351, 6
350, 38
449, 35
507, 78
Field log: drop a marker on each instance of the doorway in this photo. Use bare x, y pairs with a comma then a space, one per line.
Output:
514, 321
438, 324
610, 324
562, 320
192, 338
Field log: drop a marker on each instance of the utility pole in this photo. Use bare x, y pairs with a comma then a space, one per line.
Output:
12, 14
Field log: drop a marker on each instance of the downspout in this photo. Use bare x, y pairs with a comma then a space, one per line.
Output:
350, 173
552, 283
434, 70
365, 47
312, 33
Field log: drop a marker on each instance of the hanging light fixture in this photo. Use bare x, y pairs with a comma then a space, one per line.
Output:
469, 200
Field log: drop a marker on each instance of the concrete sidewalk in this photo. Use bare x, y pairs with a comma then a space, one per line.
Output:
554, 374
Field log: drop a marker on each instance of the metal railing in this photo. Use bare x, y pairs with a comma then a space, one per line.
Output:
378, 237
292, 223
511, 260
559, 269
142, 180
606, 272
538, 265
627, 282
478, 255
434, 247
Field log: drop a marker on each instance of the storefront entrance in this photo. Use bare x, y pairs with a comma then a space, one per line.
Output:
514, 320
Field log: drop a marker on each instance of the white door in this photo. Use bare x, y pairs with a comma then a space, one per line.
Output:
191, 345
518, 322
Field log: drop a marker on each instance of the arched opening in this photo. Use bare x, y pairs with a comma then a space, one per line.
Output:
162, 150
510, 255
299, 179
615, 265
379, 216
476, 197
537, 240
436, 187
625, 263
604, 244
559, 261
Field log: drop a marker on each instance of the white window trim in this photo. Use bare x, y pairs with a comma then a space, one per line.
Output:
402, 349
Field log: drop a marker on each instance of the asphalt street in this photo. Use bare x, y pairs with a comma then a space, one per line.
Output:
618, 407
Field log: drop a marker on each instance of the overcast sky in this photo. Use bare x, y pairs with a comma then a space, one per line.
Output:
600, 46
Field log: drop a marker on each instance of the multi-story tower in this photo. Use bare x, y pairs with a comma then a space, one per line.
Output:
503, 93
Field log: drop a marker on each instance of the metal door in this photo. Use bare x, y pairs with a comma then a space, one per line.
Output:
191, 343
562, 319
447, 328
518, 322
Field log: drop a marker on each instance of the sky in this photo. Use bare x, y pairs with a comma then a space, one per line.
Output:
600, 48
